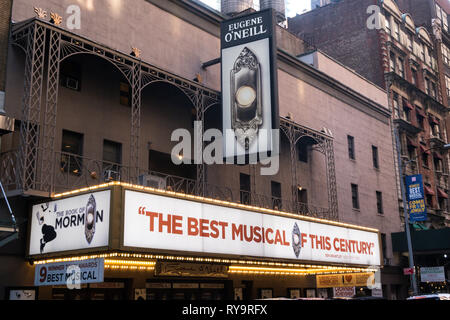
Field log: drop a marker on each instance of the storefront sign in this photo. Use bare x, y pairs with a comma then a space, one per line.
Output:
69, 273
345, 280
181, 269
432, 274
79, 222
416, 198
344, 292
249, 85
158, 222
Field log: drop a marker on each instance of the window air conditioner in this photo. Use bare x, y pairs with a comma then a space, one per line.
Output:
152, 181
111, 175
72, 83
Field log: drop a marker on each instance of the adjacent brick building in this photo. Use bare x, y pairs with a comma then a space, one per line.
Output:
398, 54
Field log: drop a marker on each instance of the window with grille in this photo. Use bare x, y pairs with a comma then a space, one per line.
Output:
355, 196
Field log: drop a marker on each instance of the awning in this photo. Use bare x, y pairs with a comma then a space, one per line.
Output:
442, 193
434, 120
420, 112
407, 104
411, 142
424, 150
438, 155
428, 190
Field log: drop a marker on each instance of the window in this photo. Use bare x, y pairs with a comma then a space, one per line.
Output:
420, 120
444, 21
442, 203
112, 151
383, 244
302, 195
375, 157
429, 200
355, 197
125, 94
445, 53
112, 158
379, 202
427, 55
406, 115
276, 195
303, 151
396, 108
396, 31
437, 164
388, 24
414, 77
409, 42
422, 52
392, 62
442, 15
72, 152
433, 91
447, 85
244, 180
351, 147
425, 160
427, 85
401, 67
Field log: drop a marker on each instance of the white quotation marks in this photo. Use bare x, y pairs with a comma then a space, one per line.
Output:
73, 281
74, 18
374, 20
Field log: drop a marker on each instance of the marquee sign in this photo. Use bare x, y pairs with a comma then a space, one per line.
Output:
158, 222
80, 222
249, 85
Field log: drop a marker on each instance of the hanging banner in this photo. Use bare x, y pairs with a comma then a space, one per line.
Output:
249, 87
345, 280
416, 198
69, 273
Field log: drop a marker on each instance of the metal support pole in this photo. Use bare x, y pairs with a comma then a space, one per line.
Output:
405, 213
9, 207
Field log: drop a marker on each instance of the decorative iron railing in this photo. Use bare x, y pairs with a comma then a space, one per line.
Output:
73, 172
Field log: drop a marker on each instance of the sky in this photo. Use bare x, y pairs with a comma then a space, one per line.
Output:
292, 6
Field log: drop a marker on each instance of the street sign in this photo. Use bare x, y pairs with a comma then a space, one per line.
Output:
416, 198
408, 271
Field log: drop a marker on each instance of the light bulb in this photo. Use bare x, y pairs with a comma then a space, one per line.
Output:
245, 96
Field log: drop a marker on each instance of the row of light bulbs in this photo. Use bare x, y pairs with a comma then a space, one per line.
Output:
210, 201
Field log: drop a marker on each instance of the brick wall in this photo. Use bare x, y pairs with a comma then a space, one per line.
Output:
340, 30
5, 18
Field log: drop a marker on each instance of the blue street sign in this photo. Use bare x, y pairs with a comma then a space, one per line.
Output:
416, 198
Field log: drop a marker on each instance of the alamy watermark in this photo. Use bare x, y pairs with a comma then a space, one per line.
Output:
190, 150
73, 281
374, 22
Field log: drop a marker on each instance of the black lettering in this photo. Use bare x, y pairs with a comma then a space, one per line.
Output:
99, 216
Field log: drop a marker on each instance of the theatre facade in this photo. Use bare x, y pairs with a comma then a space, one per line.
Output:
89, 174
170, 245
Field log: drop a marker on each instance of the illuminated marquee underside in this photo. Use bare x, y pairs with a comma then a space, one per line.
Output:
147, 262
279, 235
